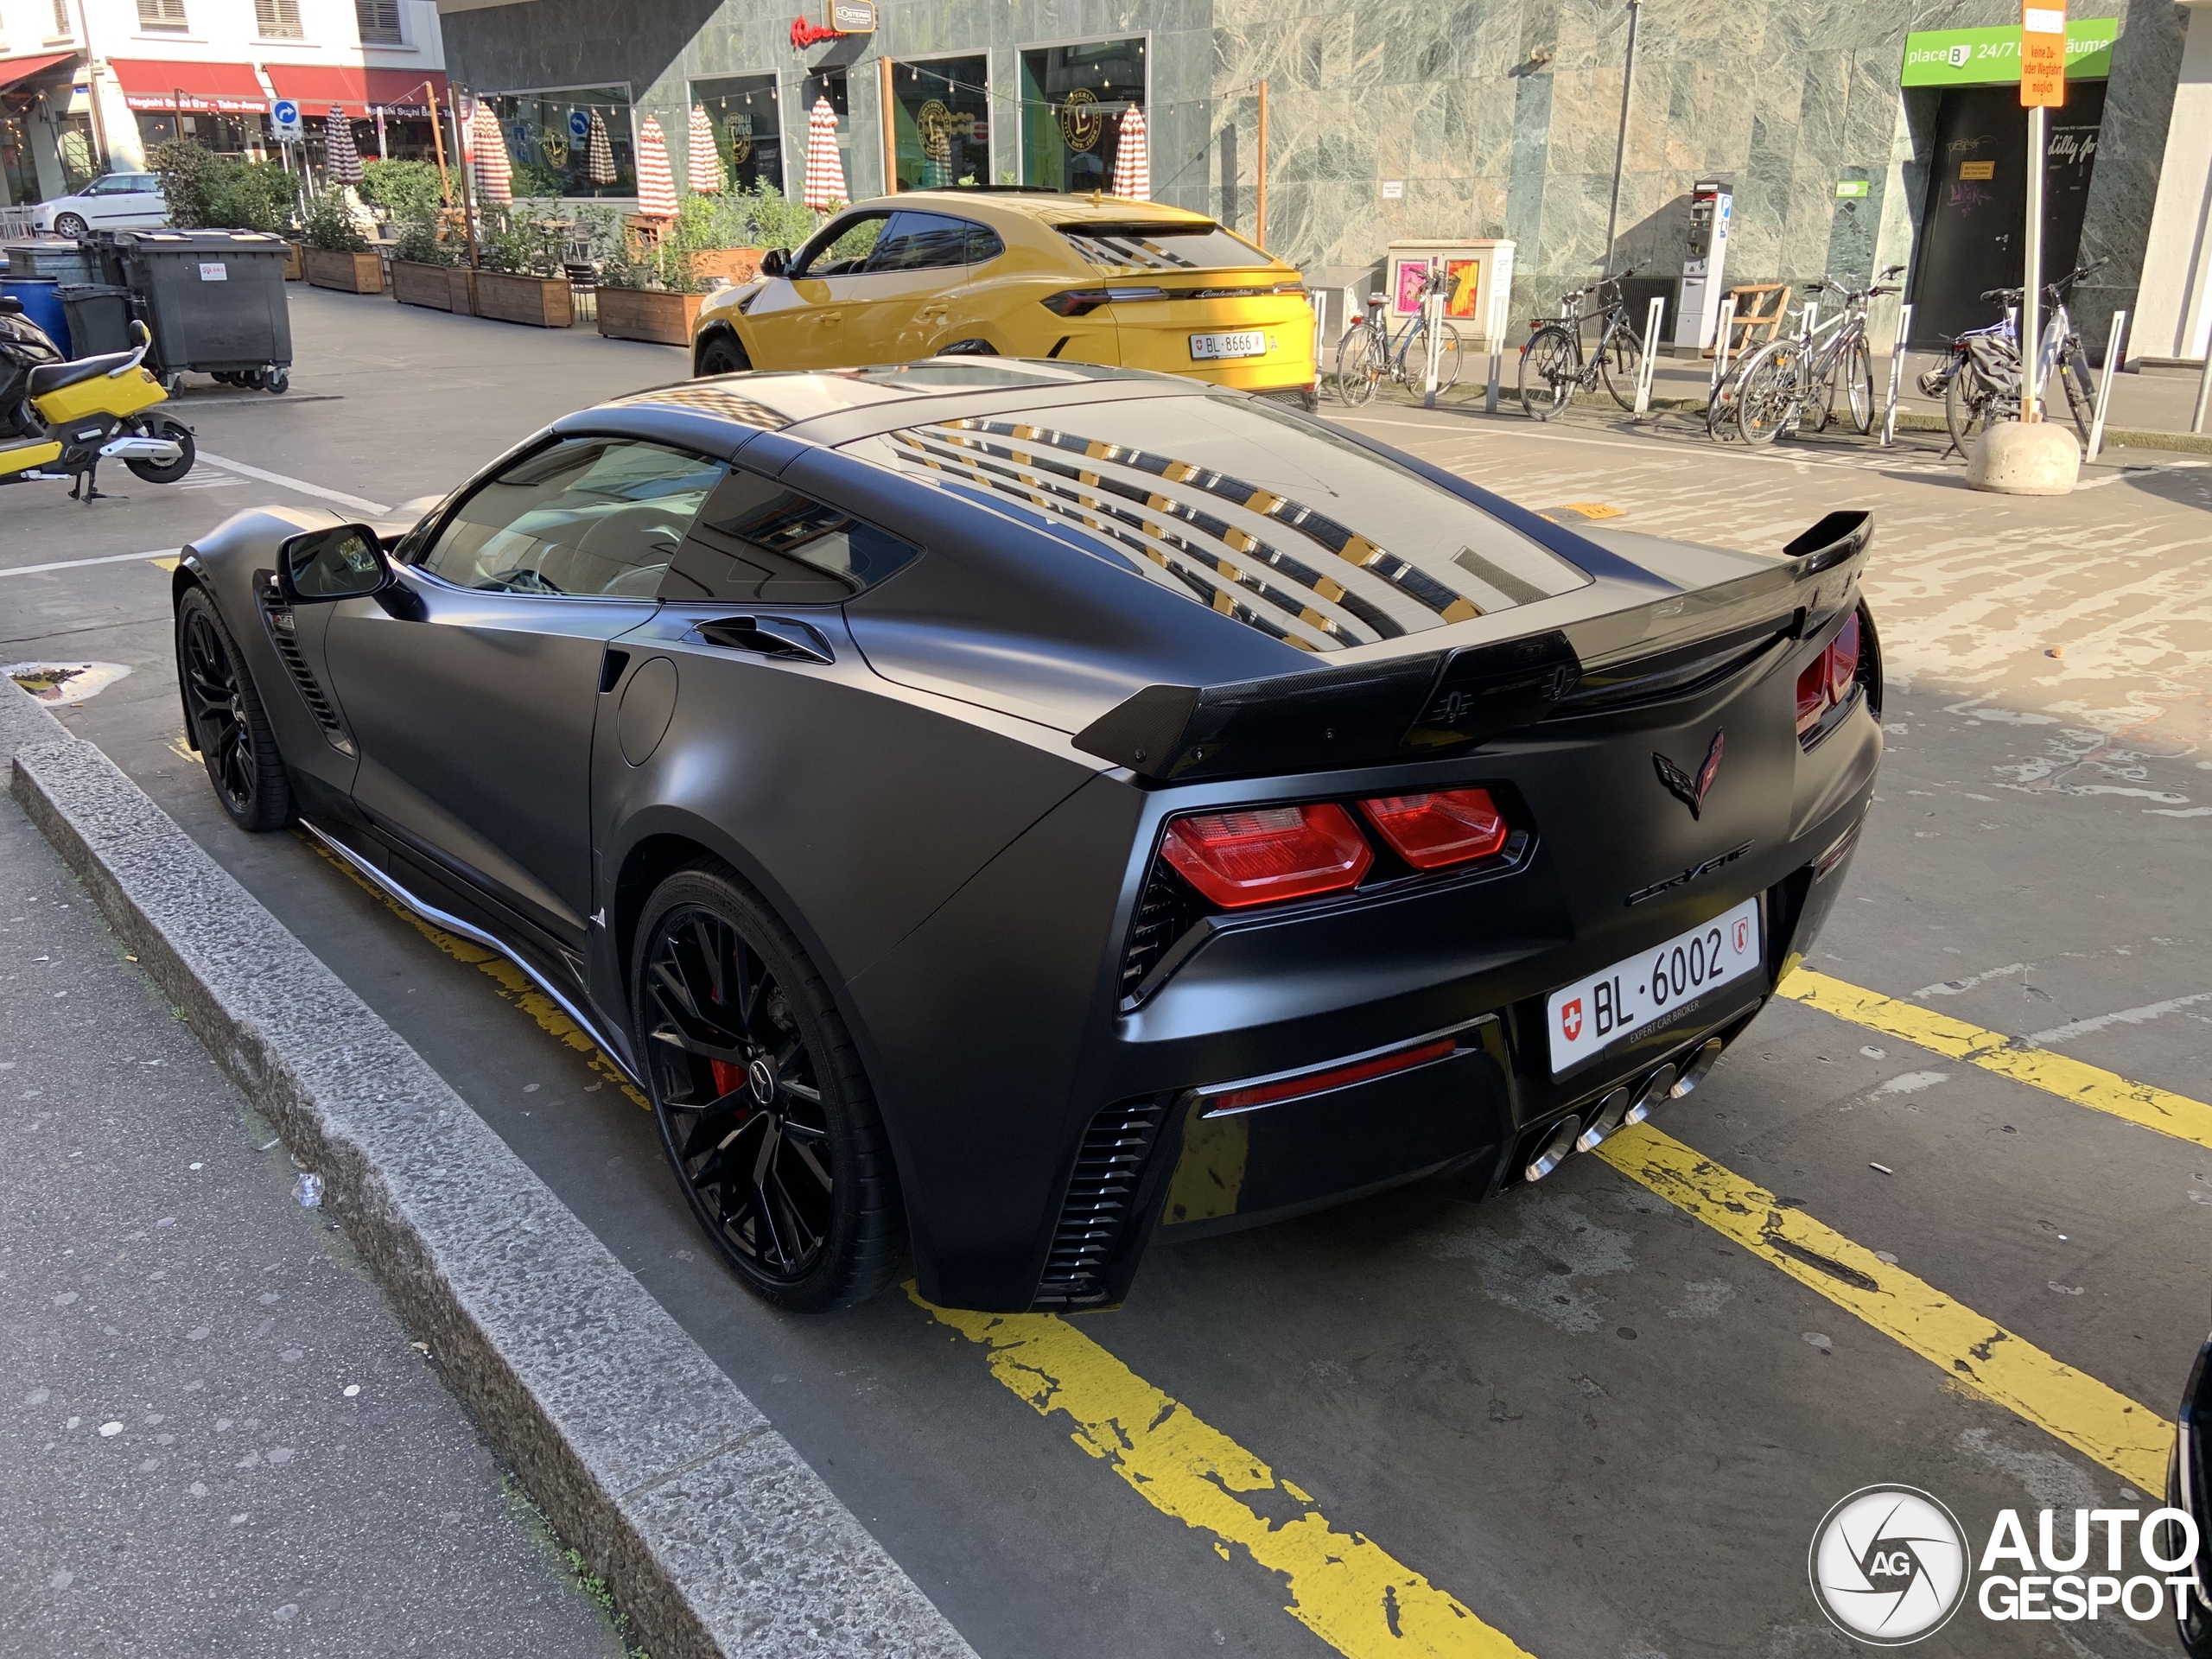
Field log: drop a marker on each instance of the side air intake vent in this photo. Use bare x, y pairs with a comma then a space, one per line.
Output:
1163, 913
279, 620
1101, 1193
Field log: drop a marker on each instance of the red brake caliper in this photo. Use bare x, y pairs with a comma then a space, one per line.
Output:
729, 1075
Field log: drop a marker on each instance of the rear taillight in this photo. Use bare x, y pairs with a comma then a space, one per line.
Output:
1432, 832
1323, 1079
1081, 302
1259, 856
1812, 694
1826, 681
1843, 660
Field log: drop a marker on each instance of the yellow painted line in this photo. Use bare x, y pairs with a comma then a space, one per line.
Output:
167, 563
2056, 1074
1344, 1586
2131, 1440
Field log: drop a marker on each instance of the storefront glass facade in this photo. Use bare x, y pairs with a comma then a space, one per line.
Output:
548, 139
1072, 101
943, 118
747, 115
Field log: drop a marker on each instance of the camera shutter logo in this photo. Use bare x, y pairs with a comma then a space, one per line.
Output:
1888, 1565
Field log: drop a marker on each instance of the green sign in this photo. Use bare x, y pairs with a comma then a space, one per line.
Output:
1851, 187
1991, 57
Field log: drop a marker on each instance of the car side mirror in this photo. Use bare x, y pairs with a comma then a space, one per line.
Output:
774, 263
344, 562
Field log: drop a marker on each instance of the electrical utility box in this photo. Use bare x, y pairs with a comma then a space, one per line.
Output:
1697, 310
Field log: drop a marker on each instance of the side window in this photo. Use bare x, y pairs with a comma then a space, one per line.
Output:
920, 242
593, 516
983, 244
758, 543
842, 249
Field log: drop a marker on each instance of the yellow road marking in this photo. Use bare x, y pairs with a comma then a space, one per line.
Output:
168, 563
2130, 1439
2069, 1080
1344, 1586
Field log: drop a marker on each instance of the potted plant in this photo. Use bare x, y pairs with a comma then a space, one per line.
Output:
205, 191
338, 255
522, 279
653, 276
426, 270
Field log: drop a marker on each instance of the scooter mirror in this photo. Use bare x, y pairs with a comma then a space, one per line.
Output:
10, 306
344, 562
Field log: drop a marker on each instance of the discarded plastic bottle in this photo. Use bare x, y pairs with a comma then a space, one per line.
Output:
308, 1191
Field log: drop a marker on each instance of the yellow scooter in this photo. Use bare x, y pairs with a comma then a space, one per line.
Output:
60, 419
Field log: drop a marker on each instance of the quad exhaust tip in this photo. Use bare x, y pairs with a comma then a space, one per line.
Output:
1623, 1109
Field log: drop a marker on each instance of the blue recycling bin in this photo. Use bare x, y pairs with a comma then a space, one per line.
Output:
42, 305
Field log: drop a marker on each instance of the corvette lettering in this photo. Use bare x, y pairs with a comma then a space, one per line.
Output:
1689, 875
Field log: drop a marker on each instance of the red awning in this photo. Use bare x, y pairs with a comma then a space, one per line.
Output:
14, 70
358, 91
194, 88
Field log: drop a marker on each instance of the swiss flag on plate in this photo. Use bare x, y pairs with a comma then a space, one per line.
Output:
1570, 1019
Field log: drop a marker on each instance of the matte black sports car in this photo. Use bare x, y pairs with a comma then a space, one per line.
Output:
1022, 808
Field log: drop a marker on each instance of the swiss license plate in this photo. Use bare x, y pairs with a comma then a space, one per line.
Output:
1591, 1016
1253, 342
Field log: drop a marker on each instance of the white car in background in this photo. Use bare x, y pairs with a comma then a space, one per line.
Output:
121, 201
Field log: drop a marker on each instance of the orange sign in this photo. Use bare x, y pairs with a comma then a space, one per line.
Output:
2042, 54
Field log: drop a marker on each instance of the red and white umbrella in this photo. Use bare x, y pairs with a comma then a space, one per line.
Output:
704, 164
656, 182
342, 161
494, 171
825, 168
599, 160
1133, 159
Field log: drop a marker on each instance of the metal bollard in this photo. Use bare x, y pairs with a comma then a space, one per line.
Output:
1651, 321
1720, 346
1896, 377
2203, 394
1431, 306
2115, 338
1497, 370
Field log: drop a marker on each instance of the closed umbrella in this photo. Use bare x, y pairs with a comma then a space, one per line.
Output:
494, 171
344, 161
825, 168
599, 161
1133, 159
705, 164
656, 182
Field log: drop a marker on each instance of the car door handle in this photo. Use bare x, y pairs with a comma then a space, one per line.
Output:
772, 636
930, 314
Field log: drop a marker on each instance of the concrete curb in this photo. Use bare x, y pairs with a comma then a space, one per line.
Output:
715, 1537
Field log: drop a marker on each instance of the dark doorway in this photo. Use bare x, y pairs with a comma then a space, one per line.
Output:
1977, 201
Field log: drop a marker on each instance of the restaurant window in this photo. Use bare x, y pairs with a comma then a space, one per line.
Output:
747, 115
277, 19
943, 110
223, 135
549, 137
162, 14
1073, 98
379, 20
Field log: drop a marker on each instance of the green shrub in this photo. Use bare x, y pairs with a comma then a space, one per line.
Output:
518, 238
401, 188
205, 191
329, 224
418, 239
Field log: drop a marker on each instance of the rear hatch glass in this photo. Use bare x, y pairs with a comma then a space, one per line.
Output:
1166, 246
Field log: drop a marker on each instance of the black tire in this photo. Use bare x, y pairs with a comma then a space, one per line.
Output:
1550, 365
1969, 405
1856, 371
225, 719
277, 380
1765, 394
1449, 359
724, 354
1620, 365
69, 225
2080, 390
1359, 367
764, 1109
176, 433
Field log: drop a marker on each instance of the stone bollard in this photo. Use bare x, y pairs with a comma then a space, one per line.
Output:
2019, 458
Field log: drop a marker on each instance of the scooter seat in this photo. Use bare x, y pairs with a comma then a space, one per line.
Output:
51, 376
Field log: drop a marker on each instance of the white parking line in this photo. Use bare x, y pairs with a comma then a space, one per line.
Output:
105, 558
299, 484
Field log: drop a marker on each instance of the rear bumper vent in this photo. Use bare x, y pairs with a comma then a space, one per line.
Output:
1164, 913
1101, 1199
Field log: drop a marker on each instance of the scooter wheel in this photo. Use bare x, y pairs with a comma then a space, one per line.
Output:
176, 433
277, 379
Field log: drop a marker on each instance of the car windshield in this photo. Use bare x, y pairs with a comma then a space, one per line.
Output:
1164, 246
1250, 510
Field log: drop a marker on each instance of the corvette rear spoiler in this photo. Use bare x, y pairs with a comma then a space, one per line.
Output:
1405, 707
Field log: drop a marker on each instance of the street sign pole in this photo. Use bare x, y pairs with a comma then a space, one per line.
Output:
2042, 88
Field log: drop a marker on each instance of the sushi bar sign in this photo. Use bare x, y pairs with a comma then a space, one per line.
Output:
844, 17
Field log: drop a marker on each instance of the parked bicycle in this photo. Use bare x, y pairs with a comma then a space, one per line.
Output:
1788, 384
1552, 366
1979, 379
1367, 354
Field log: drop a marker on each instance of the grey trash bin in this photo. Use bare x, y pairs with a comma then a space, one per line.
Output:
99, 317
214, 301
64, 261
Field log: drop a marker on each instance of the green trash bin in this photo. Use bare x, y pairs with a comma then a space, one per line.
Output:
214, 301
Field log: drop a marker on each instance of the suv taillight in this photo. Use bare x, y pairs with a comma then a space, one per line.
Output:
1260, 855
1433, 831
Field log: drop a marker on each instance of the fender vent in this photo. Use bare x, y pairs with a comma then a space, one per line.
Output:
1163, 915
1096, 1213
279, 620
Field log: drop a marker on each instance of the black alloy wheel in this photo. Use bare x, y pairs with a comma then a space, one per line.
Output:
723, 355
764, 1108
227, 724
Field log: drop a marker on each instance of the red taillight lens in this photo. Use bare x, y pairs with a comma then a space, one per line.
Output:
1329, 1077
1827, 680
1258, 855
1843, 660
1449, 827
1811, 693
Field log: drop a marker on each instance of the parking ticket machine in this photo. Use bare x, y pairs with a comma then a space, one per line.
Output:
1697, 308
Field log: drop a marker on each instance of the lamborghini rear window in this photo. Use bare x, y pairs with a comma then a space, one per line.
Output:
1250, 511
1164, 246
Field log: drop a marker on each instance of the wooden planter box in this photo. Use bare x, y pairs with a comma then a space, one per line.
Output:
733, 264
542, 302
349, 273
441, 288
646, 314
296, 269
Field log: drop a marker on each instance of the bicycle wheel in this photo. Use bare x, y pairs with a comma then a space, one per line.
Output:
2081, 390
1448, 357
1620, 364
1858, 371
1549, 373
1970, 404
1357, 366
1767, 395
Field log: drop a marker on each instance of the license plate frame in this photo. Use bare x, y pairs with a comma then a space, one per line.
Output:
1229, 347
1601, 1011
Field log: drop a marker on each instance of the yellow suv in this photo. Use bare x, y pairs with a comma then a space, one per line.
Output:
1014, 272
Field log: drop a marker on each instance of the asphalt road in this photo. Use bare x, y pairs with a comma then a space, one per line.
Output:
1598, 1424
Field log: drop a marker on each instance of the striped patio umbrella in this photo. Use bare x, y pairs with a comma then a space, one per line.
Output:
342, 159
488, 147
825, 169
704, 164
1133, 159
599, 160
656, 179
